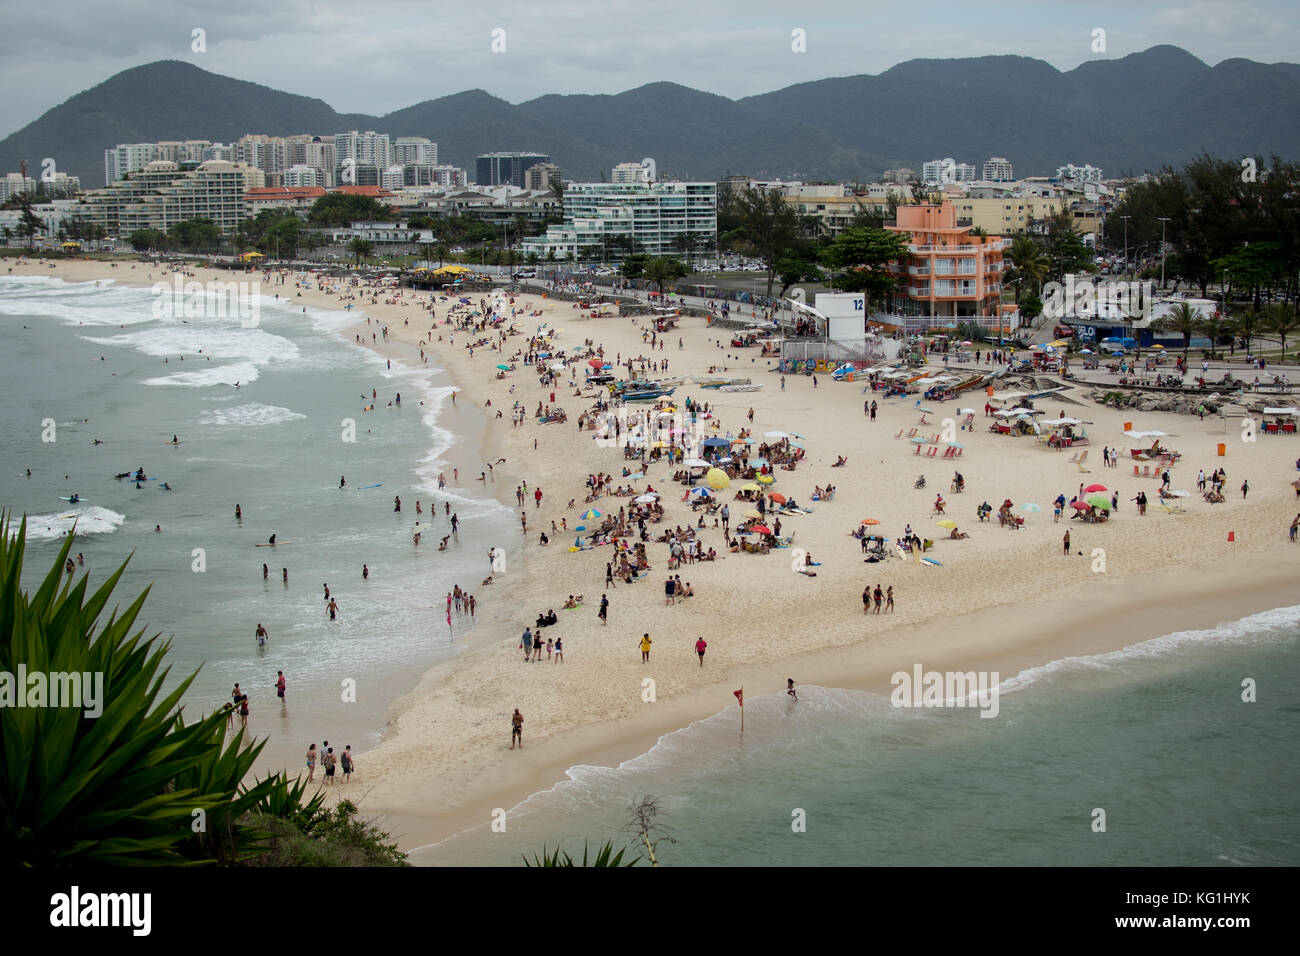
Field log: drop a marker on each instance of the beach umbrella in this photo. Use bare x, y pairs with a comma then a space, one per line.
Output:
947, 523
1157, 346
1080, 505
752, 513
955, 444
750, 487
717, 479
636, 476
761, 529
927, 411
695, 463
871, 521
1100, 501
965, 411
918, 441
1091, 488
595, 363
660, 444
646, 498
796, 444
775, 435
766, 479
777, 497
1030, 507
590, 515
702, 492
504, 368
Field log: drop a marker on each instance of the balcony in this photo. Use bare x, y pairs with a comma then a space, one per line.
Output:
918, 270
918, 292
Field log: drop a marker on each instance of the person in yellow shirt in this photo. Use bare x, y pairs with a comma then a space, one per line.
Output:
645, 648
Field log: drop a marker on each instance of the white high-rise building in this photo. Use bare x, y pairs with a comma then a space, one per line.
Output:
415, 151
393, 177
126, 158
653, 215
303, 175
364, 149
998, 169
947, 170
1079, 174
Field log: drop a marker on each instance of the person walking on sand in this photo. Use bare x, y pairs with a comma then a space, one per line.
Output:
329, 762
866, 599
889, 599
311, 763
526, 642
347, 763
878, 595
1245, 487
559, 650
645, 648
517, 729
700, 646
537, 497
279, 684
1065, 541
603, 613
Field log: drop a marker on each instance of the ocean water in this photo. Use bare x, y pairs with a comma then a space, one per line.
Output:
274, 445
1156, 735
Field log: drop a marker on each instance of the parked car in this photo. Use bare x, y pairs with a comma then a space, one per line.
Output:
528, 274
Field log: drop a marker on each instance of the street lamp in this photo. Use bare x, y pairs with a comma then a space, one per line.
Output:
1163, 251
1126, 219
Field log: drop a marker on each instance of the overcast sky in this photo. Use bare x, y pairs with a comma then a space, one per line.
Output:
375, 57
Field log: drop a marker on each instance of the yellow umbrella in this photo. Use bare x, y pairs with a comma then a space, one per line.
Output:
752, 513
661, 444
766, 479
750, 487
1058, 344
1157, 346
717, 479
946, 524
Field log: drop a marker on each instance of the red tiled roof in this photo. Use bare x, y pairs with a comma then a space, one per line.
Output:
374, 191
284, 192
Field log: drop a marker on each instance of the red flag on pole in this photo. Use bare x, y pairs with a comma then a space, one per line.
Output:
740, 696
1232, 536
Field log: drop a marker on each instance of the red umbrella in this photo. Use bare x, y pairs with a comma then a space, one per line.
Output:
595, 363
761, 529
1080, 505
777, 497
1091, 488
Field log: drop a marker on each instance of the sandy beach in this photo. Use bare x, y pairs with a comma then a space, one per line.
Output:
1001, 600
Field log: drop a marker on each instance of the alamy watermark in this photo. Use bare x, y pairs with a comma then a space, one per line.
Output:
921, 688
1088, 298
218, 300
76, 689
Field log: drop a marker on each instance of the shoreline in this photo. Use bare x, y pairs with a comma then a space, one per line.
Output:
439, 769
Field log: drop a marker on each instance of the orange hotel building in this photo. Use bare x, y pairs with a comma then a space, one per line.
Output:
948, 277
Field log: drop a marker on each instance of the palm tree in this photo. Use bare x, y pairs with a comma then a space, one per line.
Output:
361, 249
661, 271
1281, 322
1029, 262
1214, 327
1184, 320
1245, 326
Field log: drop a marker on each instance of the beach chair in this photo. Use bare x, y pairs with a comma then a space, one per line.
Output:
1146, 470
1137, 472
950, 453
917, 449
932, 451
959, 451
912, 433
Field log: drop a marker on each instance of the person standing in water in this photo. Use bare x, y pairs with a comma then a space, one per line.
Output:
261, 635
239, 515
343, 480
333, 608
789, 687
266, 572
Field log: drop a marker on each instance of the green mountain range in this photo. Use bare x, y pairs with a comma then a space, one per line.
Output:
1160, 106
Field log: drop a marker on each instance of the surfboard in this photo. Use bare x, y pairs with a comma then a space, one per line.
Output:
916, 554
268, 544
364, 487
931, 563
173, 443
69, 498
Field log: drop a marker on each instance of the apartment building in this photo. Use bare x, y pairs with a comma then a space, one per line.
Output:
947, 170
653, 215
539, 177
998, 169
949, 276
162, 195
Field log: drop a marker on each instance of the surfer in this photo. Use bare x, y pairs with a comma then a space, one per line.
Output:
175, 440
97, 442
157, 529
343, 480
239, 515
285, 573
271, 541
397, 503
29, 472
365, 573
165, 486
266, 572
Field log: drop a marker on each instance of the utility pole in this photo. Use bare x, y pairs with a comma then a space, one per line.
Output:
1163, 253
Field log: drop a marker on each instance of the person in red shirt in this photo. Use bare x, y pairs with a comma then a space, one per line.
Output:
537, 496
700, 646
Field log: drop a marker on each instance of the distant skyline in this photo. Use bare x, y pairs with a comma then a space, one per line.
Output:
375, 58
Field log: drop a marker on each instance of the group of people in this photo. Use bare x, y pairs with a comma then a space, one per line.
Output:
875, 597
345, 762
